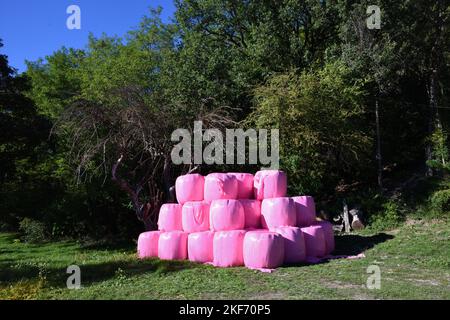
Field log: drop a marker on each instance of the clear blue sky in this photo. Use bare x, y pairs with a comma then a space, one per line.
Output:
31, 29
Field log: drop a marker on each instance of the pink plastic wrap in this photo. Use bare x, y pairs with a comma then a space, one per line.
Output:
278, 212
195, 216
252, 212
245, 184
270, 184
305, 209
294, 244
226, 215
329, 235
172, 245
314, 241
263, 249
200, 246
170, 217
189, 188
220, 186
228, 248
148, 244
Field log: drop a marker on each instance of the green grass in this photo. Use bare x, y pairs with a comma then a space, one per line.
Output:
414, 262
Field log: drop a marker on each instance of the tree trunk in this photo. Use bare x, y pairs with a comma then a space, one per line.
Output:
167, 180
431, 119
346, 218
145, 212
378, 155
435, 65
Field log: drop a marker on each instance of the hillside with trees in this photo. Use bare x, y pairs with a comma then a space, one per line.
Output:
363, 113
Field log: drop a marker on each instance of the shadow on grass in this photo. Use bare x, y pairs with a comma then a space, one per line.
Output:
107, 245
350, 245
355, 244
92, 273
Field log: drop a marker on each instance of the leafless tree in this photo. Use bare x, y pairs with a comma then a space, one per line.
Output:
128, 139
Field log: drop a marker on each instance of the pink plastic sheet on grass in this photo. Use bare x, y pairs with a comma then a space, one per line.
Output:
245, 184
305, 209
200, 246
263, 249
294, 244
147, 246
252, 212
220, 186
269, 184
278, 212
228, 248
195, 216
226, 215
169, 218
189, 188
172, 245
313, 260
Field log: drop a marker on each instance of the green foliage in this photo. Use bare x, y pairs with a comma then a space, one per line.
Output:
388, 218
55, 81
33, 231
319, 114
440, 153
440, 202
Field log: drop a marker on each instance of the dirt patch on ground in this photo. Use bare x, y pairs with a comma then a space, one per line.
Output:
341, 285
425, 282
269, 296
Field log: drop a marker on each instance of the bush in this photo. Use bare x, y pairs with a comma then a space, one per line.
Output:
389, 218
440, 201
33, 231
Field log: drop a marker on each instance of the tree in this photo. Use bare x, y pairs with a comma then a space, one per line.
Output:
325, 140
23, 141
131, 140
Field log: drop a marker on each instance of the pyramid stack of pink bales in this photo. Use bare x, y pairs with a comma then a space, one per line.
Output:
237, 219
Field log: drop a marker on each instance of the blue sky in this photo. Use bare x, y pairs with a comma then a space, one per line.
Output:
31, 29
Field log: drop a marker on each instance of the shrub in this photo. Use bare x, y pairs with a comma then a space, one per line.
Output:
33, 231
389, 218
440, 201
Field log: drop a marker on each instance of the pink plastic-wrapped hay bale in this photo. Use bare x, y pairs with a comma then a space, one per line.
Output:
226, 215
200, 246
189, 188
270, 184
329, 235
314, 241
220, 186
169, 218
294, 244
172, 245
147, 246
263, 249
245, 184
278, 212
195, 216
228, 248
305, 209
252, 212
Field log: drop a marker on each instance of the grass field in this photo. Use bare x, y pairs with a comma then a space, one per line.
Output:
414, 261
